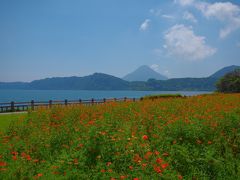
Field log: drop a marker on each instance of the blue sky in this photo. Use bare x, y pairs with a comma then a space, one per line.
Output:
178, 38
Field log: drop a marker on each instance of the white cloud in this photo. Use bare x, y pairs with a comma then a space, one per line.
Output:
226, 12
189, 16
223, 11
181, 42
184, 2
156, 12
155, 67
144, 26
167, 16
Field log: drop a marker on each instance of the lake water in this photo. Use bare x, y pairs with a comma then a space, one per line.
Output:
45, 95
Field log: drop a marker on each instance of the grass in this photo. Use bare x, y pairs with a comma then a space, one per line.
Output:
6, 119
157, 96
167, 138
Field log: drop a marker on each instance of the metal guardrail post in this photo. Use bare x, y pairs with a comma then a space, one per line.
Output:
32, 105
80, 101
12, 106
50, 103
92, 101
104, 100
66, 102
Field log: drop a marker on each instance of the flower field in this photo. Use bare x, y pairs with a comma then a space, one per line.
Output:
169, 138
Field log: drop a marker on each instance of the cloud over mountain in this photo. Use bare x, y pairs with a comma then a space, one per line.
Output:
181, 42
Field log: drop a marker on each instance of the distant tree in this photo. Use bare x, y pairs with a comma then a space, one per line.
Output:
230, 82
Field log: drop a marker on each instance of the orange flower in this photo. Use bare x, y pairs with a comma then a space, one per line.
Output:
109, 163
145, 137
35, 160
130, 167
135, 179
3, 169
199, 141
137, 158
75, 161
180, 177
40, 174
147, 155
165, 154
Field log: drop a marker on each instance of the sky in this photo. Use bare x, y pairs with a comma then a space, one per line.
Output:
57, 38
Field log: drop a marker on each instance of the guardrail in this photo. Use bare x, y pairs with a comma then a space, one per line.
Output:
25, 106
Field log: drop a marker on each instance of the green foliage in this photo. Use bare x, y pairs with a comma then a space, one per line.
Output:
152, 97
230, 83
7, 119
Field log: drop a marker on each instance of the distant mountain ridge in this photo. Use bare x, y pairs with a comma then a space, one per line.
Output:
143, 73
96, 81
100, 81
224, 71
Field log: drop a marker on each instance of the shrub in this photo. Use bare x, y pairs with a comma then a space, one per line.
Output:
230, 83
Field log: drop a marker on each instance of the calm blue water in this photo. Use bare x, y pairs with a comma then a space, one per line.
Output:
45, 95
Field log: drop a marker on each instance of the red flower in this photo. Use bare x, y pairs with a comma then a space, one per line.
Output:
14, 157
164, 166
135, 179
147, 155
145, 137
123, 177
159, 160
157, 169
40, 174
3, 163
130, 167
28, 157
14, 153
23, 154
